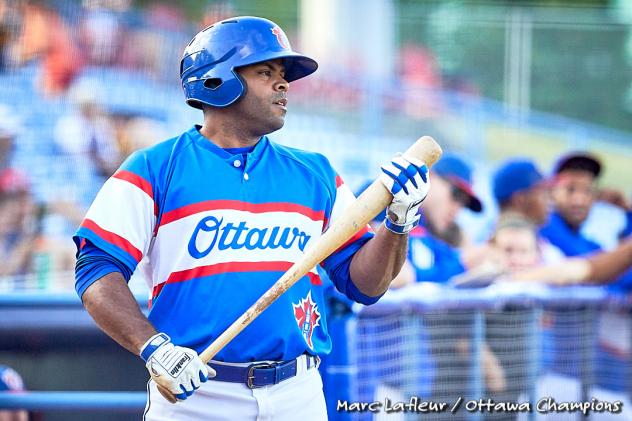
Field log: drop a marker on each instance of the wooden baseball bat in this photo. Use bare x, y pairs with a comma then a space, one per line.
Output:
371, 202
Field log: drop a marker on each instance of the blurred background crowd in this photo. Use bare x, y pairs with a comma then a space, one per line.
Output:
83, 84
532, 103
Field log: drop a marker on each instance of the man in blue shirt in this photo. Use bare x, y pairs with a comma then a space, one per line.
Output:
573, 194
520, 188
433, 245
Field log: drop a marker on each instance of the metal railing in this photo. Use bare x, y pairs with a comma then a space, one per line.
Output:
508, 343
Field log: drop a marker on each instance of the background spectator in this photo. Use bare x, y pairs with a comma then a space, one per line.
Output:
519, 188
47, 37
101, 33
9, 129
573, 193
19, 224
8, 31
86, 135
25, 247
434, 247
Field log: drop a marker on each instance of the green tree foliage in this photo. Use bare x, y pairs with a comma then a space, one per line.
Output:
582, 72
578, 67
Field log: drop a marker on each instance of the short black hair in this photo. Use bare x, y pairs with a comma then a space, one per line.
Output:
579, 162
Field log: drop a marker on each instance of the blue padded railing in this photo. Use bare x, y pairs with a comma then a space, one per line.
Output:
75, 401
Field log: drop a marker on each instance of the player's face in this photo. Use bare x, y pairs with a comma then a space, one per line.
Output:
573, 195
536, 204
442, 204
518, 246
264, 105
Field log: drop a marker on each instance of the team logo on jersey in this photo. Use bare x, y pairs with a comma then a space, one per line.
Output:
283, 42
307, 317
211, 232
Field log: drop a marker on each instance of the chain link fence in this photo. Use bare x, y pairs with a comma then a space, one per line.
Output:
504, 346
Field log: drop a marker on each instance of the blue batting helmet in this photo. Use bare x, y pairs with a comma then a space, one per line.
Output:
208, 66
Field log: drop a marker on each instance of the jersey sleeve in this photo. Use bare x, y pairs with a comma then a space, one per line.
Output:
92, 264
122, 218
338, 263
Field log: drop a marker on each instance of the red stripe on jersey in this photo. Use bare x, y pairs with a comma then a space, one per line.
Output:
339, 181
230, 267
314, 278
113, 238
418, 231
136, 180
156, 292
194, 208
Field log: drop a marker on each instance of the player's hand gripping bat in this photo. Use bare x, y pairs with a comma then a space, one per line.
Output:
374, 199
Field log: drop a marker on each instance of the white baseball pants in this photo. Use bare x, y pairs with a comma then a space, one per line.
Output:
298, 398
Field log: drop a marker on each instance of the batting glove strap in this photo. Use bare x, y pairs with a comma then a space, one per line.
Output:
178, 369
401, 229
153, 344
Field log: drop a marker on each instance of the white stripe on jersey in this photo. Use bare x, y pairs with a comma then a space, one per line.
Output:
171, 249
344, 198
126, 210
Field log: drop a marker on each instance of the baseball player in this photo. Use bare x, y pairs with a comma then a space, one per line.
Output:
213, 217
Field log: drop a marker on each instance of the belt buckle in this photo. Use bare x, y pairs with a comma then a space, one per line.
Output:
251, 373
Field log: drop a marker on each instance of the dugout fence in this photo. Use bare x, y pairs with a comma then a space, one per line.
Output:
494, 347
509, 343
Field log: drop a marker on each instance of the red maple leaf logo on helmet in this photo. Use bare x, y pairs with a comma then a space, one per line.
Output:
283, 42
307, 316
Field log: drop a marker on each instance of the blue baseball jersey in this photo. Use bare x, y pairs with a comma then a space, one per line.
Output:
434, 260
572, 243
212, 230
627, 230
559, 349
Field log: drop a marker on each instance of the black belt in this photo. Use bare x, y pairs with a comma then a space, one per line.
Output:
260, 374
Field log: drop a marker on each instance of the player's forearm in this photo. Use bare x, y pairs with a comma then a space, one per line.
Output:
113, 307
406, 276
569, 271
378, 262
606, 266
